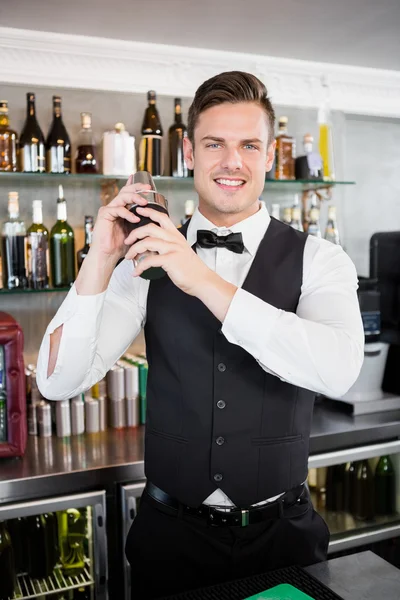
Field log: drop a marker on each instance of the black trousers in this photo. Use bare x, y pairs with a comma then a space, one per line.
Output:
170, 554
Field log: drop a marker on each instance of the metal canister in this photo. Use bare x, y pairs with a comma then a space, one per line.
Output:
32, 419
117, 413
102, 400
44, 419
132, 394
116, 383
143, 369
63, 418
77, 415
92, 415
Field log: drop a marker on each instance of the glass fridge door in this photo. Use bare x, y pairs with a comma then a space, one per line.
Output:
54, 547
130, 500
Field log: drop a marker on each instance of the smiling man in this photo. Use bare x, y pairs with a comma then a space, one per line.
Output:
251, 320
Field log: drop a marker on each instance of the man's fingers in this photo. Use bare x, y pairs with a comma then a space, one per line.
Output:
158, 217
150, 230
118, 211
150, 245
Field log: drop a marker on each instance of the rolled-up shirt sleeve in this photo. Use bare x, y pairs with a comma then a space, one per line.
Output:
97, 330
321, 346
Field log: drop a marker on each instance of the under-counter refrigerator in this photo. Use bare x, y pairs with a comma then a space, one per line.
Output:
55, 548
130, 501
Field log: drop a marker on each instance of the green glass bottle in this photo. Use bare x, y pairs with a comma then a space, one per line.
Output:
364, 505
385, 487
7, 567
62, 247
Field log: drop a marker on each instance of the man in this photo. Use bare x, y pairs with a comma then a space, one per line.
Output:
251, 319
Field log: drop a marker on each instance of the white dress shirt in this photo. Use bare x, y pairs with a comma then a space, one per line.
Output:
319, 348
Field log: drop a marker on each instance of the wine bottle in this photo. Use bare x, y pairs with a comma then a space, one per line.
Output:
62, 247
331, 231
335, 488
364, 503
86, 154
150, 152
41, 554
385, 487
8, 141
38, 250
7, 566
31, 149
83, 252
177, 131
58, 144
18, 533
350, 478
13, 254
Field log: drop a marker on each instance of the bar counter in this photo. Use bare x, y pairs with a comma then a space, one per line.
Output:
54, 466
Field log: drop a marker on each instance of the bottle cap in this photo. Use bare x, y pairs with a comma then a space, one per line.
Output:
151, 95
86, 119
308, 138
13, 195
60, 191
119, 127
3, 106
190, 206
36, 204
283, 120
331, 212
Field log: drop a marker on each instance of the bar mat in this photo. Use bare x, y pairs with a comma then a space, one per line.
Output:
243, 588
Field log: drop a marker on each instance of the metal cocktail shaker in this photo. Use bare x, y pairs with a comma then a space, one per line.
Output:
155, 201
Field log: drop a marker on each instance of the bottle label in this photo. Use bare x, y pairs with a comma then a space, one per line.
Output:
38, 258
32, 158
150, 154
58, 160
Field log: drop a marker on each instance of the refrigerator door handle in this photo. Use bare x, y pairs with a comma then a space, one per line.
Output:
100, 551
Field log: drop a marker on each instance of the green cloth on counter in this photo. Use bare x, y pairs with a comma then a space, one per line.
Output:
285, 591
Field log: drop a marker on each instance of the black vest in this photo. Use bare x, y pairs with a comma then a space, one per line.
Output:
215, 418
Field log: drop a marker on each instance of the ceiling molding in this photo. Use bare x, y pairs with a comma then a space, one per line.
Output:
74, 61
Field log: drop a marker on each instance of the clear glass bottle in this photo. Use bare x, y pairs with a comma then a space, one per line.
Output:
83, 252
38, 250
151, 144
285, 152
308, 166
8, 141
86, 154
287, 215
62, 247
296, 215
31, 147
331, 230
177, 132
313, 226
13, 255
58, 144
276, 211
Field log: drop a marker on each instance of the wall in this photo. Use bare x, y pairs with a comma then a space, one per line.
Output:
367, 150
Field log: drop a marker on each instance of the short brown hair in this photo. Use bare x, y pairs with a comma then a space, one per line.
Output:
232, 87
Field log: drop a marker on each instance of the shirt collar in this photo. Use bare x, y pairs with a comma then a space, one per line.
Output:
252, 229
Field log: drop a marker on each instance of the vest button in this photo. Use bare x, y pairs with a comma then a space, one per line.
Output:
221, 367
218, 477
221, 404
220, 441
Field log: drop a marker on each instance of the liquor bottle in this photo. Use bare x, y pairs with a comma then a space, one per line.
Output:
331, 231
326, 142
72, 534
38, 250
82, 253
308, 166
313, 227
86, 153
189, 210
7, 566
350, 478
285, 152
17, 530
58, 144
364, 501
13, 255
150, 151
276, 211
177, 131
31, 148
287, 215
385, 487
296, 215
62, 247
8, 141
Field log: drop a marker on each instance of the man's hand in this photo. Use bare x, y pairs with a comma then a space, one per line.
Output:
185, 269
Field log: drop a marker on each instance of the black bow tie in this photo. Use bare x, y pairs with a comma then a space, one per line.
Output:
208, 239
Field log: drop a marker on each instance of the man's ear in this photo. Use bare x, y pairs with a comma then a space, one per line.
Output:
188, 153
270, 156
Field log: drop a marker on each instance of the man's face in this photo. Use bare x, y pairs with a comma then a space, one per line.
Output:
230, 157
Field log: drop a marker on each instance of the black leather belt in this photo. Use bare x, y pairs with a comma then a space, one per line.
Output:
236, 517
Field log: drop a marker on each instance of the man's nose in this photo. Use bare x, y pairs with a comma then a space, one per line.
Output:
231, 159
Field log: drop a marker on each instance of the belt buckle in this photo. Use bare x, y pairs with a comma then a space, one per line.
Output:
245, 518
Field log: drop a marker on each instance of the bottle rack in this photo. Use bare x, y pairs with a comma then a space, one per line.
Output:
28, 588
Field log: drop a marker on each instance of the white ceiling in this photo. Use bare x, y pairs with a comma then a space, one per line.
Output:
355, 32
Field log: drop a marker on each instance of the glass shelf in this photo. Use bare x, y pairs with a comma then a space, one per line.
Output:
175, 182
5, 292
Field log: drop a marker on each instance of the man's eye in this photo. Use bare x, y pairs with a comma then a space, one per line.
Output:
251, 147
213, 146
